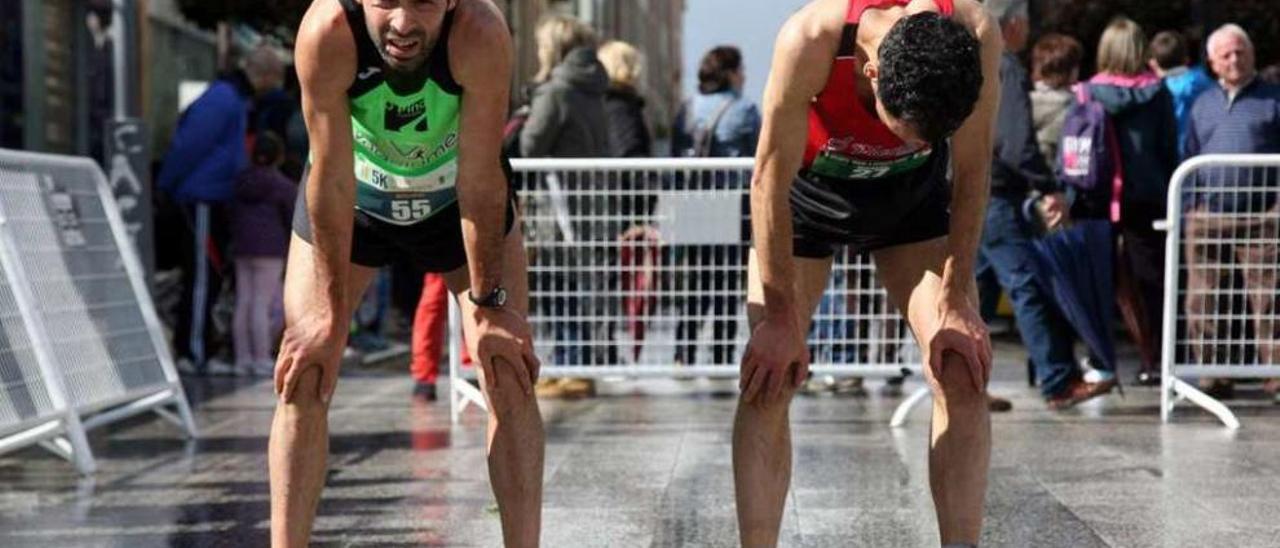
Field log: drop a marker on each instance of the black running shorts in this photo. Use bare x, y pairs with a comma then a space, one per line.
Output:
868, 215
432, 245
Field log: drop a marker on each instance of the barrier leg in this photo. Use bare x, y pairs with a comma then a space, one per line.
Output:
456, 401
1167, 400
128, 410
1194, 395
78, 445
904, 408
184, 419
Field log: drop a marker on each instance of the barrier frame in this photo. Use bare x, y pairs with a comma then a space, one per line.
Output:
78, 420
464, 392
60, 432
1174, 390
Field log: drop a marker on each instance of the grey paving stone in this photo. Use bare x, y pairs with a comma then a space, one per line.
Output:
650, 464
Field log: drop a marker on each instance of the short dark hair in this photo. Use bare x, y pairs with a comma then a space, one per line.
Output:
930, 74
268, 148
717, 66
1169, 49
1054, 59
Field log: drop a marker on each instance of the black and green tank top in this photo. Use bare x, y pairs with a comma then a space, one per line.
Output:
406, 140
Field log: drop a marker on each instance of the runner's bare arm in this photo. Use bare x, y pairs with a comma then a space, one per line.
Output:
481, 59
326, 64
802, 60
971, 156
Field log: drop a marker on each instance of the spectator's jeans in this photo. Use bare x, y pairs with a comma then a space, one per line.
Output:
1006, 250
834, 333
202, 272
711, 281
1214, 257
849, 324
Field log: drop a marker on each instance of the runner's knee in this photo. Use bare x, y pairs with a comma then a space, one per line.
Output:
957, 385
306, 404
767, 407
509, 398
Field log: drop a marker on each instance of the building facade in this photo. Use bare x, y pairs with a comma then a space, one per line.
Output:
47, 64
57, 72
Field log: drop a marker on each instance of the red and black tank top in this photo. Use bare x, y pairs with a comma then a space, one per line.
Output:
845, 141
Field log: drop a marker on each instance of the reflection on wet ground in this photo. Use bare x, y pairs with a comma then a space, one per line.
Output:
648, 464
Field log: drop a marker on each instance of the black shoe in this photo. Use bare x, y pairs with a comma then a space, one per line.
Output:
1147, 378
424, 391
1218, 389
996, 404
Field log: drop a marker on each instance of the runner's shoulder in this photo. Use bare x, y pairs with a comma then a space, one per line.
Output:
972, 14
818, 25
477, 25
325, 46
479, 43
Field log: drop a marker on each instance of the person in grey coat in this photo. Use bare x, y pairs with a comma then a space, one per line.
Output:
567, 120
567, 116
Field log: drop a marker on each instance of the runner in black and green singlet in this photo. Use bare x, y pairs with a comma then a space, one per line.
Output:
405, 136
404, 102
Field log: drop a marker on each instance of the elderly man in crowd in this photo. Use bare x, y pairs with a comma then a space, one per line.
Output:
1241, 115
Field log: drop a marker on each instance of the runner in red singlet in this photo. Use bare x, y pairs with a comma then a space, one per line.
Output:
898, 100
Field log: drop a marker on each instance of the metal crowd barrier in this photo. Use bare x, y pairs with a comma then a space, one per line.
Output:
81, 345
637, 268
1222, 277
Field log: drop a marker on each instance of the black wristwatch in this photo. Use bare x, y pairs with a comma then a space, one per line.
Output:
495, 299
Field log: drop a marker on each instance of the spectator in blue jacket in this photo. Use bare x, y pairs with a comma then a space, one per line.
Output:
1170, 60
208, 151
1228, 208
717, 122
718, 115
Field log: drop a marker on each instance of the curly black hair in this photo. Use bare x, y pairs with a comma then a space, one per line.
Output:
930, 74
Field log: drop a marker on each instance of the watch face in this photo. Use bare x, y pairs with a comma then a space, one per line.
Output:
495, 299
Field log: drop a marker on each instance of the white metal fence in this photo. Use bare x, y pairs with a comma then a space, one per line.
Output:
82, 344
637, 268
1222, 277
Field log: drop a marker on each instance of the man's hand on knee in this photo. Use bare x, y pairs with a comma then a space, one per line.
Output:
504, 339
960, 330
311, 342
776, 360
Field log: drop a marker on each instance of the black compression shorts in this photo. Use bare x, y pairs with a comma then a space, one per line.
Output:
432, 245
869, 215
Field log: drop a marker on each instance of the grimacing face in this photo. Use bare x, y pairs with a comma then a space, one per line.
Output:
1232, 59
405, 31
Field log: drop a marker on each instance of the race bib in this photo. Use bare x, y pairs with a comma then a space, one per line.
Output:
404, 200
836, 165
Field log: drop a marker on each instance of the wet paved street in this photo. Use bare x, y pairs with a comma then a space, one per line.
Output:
648, 464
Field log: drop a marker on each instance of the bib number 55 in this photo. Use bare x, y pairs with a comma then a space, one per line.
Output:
410, 210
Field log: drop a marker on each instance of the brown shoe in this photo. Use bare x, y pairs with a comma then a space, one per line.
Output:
578, 388
996, 404
1080, 391
549, 388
